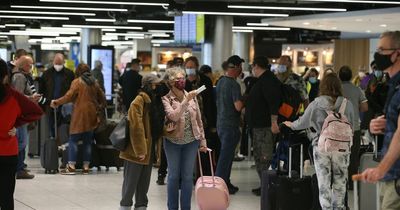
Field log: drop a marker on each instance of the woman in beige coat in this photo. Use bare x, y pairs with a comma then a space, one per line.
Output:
88, 100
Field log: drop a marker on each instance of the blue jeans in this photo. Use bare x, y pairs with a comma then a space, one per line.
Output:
23, 137
229, 137
181, 161
87, 138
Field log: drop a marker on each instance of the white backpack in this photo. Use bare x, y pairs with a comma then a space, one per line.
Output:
336, 134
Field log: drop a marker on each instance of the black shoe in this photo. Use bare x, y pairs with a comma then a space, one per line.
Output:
256, 191
230, 185
238, 159
160, 180
232, 190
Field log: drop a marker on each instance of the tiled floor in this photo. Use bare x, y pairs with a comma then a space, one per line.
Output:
101, 190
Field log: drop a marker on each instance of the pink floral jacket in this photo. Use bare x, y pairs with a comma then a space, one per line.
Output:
175, 110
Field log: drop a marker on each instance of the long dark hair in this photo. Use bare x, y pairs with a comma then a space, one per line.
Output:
3, 74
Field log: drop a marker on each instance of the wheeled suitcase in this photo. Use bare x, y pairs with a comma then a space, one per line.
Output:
49, 152
367, 193
108, 156
374, 196
277, 188
211, 191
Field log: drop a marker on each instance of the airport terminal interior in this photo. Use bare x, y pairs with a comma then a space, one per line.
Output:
129, 46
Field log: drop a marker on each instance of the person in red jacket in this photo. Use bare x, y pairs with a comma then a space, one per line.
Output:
15, 110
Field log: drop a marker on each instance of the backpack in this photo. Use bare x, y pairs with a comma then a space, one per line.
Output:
290, 106
336, 134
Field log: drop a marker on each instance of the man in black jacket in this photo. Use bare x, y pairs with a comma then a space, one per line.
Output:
262, 107
54, 84
131, 82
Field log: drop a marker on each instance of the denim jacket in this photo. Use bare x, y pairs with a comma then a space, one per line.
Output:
392, 111
174, 110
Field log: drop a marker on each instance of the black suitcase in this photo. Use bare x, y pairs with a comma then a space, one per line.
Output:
108, 156
285, 192
49, 152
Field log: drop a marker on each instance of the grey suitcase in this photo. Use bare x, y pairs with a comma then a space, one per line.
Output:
49, 152
366, 195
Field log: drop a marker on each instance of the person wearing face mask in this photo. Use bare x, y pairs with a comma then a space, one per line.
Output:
184, 136
229, 106
387, 58
208, 109
146, 126
54, 83
312, 83
284, 73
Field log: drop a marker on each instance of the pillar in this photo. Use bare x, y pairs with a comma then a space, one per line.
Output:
89, 37
222, 41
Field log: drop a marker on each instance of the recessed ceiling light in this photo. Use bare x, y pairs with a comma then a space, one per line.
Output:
33, 17
101, 27
260, 28
160, 35
31, 33
108, 29
156, 45
162, 41
257, 24
357, 1
287, 8
382, 25
69, 8
359, 20
368, 31
151, 21
161, 31
45, 28
3, 37
242, 31
306, 23
124, 34
47, 13
334, 28
320, 26
107, 2
15, 25
99, 20
2, 26
237, 14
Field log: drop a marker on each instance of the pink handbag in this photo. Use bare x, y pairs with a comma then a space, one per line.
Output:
211, 191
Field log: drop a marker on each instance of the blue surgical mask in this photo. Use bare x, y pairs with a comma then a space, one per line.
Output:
378, 74
281, 69
190, 72
312, 80
274, 67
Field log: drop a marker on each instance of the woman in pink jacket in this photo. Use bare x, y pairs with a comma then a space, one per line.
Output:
184, 137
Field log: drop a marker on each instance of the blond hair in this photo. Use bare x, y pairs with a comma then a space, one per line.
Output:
171, 73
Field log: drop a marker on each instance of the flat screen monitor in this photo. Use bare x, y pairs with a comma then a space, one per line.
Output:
106, 56
3, 54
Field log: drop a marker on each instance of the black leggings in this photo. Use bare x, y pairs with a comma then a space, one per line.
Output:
8, 165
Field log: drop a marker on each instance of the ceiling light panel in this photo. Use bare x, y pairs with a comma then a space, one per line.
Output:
69, 8
261, 28
161, 31
287, 8
237, 14
47, 13
104, 27
257, 24
152, 21
356, 1
33, 17
15, 25
30, 33
100, 20
242, 31
108, 2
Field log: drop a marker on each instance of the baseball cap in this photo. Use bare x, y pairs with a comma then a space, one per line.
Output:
234, 60
150, 79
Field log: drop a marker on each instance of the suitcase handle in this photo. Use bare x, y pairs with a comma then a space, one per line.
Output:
201, 167
290, 161
55, 124
356, 178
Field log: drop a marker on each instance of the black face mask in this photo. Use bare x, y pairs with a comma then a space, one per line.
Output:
383, 61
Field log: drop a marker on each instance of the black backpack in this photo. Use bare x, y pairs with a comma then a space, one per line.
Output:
290, 106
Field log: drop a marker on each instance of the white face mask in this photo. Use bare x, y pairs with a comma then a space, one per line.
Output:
58, 67
191, 72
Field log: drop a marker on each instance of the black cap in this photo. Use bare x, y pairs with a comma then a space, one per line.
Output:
205, 69
234, 60
261, 61
135, 61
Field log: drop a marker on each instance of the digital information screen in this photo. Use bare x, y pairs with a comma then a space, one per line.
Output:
189, 28
106, 56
